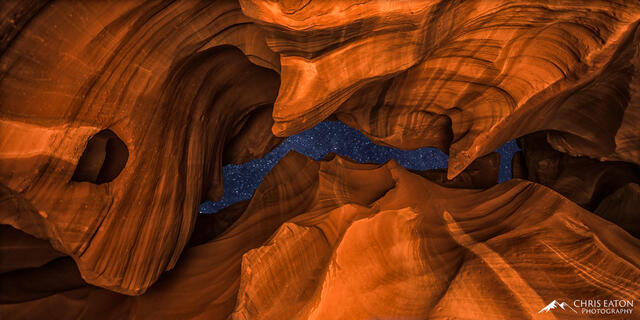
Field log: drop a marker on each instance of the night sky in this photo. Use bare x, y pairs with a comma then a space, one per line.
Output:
240, 181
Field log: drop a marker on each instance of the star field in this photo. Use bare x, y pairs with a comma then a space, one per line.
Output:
240, 181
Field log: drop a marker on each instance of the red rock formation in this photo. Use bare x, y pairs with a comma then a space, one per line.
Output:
209, 226
33, 283
408, 248
621, 207
465, 77
480, 174
584, 181
337, 239
116, 117
19, 250
133, 94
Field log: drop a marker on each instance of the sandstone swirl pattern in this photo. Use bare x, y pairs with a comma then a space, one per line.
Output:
117, 116
407, 248
166, 80
463, 76
341, 240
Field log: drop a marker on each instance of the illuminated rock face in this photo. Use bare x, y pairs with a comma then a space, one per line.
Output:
462, 76
115, 121
116, 117
340, 240
399, 246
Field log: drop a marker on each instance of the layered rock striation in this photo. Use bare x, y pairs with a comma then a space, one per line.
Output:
337, 239
115, 120
465, 77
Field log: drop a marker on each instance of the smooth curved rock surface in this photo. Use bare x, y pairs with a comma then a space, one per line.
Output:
115, 120
34, 283
417, 250
19, 250
480, 174
583, 180
465, 77
621, 207
336, 239
116, 117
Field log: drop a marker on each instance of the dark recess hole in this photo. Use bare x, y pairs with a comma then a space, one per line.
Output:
103, 159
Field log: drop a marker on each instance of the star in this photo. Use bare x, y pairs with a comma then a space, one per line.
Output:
240, 181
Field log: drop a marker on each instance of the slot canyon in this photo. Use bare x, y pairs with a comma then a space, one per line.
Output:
320, 159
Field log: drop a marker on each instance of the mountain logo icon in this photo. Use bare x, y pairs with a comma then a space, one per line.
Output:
555, 304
